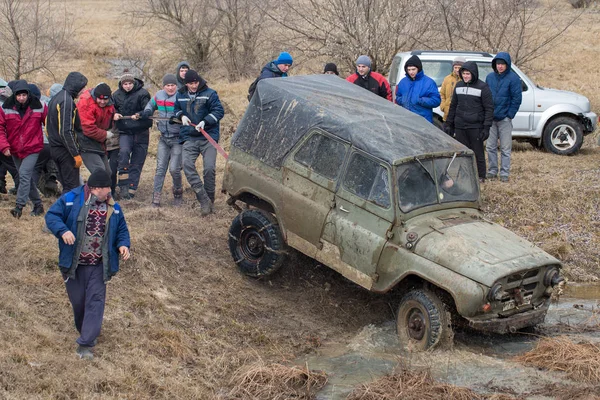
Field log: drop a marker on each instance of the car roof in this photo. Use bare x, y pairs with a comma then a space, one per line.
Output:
449, 53
283, 110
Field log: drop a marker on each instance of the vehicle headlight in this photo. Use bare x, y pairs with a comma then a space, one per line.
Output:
496, 293
552, 277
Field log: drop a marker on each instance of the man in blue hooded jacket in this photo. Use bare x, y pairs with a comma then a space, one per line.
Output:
92, 233
277, 68
506, 89
416, 91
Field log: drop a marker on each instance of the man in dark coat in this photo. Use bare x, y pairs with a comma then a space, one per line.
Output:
134, 134
507, 91
92, 234
199, 108
277, 68
63, 125
471, 113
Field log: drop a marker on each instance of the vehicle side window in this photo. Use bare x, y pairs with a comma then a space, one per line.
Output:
437, 70
368, 179
323, 155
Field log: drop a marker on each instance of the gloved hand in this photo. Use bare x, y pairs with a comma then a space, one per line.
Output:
449, 130
484, 134
173, 120
109, 135
78, 161
200, 125
185, 121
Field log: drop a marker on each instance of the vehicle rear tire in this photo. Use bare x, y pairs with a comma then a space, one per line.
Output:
256, 243
563, 135
423, 321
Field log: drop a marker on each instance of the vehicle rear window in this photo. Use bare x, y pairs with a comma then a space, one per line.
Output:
323, 155
437, 70
368, 179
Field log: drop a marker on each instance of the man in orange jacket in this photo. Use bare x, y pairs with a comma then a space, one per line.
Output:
96, 111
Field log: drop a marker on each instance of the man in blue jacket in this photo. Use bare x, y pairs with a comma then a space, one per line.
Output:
92, 233
199, 108
416, 91
506, 89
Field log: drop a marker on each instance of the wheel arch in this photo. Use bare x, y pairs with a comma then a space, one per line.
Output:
253, 199
555, 112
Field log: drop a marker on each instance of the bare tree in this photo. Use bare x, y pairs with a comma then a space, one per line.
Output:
522, 27
31, 34
343, 29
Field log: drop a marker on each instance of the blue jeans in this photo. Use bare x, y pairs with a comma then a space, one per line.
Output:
132, 156
191, 150
27, 187
169, 155
500, 130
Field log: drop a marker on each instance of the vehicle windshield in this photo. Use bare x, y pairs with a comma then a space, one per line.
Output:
433, 181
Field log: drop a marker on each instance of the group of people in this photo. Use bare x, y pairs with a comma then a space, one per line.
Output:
108, 132
474, 111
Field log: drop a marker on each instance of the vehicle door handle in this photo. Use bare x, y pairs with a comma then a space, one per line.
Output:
343, 209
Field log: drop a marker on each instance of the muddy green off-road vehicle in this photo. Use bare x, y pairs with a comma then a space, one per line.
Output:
384, 198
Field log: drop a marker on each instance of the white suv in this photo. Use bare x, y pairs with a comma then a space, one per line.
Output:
556, 119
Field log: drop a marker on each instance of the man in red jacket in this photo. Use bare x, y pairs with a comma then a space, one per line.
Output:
21, 136
96, 112
370, 80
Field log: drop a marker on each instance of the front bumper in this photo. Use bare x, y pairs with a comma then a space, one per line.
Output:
590, 121
512, 323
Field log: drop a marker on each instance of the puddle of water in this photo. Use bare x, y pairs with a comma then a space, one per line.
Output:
477, 361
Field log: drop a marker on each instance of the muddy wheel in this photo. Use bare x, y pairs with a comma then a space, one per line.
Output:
563, 135
423, 321
256, 243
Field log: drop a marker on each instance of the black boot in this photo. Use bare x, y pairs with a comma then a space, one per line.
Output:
205, 204
37, 210
17, 211
177, 197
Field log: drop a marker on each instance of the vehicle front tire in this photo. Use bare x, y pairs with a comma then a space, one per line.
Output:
563, 135
423, 321
256, 243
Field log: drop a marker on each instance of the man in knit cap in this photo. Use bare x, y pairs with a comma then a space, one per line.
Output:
370, 80
169, 147
277, 68
416, 91
449, 84
199, 108
331, 69
92, 233
96, 111
131, 99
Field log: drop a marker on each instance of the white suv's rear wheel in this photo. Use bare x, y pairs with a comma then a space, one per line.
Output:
563, 135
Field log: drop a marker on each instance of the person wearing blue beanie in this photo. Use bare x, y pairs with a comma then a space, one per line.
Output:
277, 68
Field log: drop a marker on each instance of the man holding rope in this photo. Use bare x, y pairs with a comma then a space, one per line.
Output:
199, 108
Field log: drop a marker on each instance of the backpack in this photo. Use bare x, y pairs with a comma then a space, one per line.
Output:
252, 88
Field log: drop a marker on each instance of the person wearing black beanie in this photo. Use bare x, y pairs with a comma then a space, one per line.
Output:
331, 68
92, 233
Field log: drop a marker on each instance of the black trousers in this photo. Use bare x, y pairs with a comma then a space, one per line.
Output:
470, 138
8, 165
68, 175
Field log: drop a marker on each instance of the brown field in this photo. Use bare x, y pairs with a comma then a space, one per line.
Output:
181, 322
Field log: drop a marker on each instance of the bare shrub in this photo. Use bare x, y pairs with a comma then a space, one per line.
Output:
579, 361
31, 34
276, 382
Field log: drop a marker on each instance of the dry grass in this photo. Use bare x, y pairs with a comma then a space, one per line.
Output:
580, 361
406, 384
276, 382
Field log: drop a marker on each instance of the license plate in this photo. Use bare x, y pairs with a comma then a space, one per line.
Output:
509, 305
